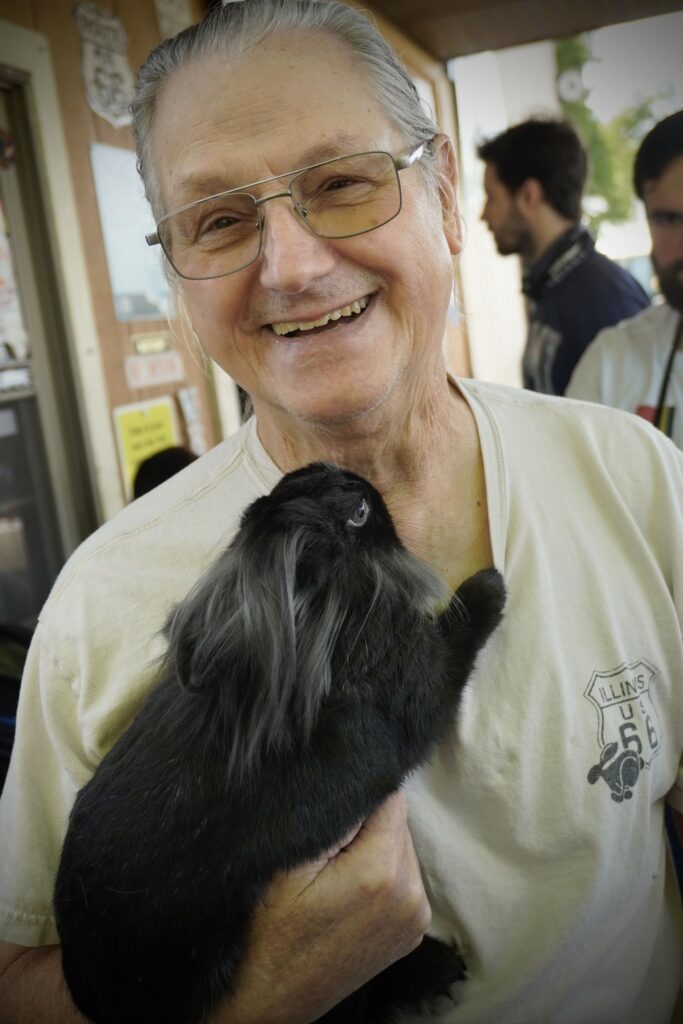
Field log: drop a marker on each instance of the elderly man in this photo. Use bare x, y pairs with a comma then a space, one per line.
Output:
534, 180
306, 206
638, 365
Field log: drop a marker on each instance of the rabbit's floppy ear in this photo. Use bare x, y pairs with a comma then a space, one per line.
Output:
289, 622
199, 628
258, 634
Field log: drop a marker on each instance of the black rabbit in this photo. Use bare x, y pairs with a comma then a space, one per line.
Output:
311, 668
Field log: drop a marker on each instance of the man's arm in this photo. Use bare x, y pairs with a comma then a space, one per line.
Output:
321, 932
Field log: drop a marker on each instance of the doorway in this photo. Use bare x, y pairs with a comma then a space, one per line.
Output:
46, 502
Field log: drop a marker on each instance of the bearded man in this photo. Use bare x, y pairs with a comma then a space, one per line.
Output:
638, 365
534, 180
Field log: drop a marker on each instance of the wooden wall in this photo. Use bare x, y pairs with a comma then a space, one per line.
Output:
82, 127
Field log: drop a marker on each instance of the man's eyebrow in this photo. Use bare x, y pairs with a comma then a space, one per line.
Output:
196, 186
342, 145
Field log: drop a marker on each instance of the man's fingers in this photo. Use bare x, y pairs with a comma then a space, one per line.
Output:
339, 920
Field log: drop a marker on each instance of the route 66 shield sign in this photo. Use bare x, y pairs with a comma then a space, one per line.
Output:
107, 74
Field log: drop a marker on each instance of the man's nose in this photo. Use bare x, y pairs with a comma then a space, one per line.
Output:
292, 257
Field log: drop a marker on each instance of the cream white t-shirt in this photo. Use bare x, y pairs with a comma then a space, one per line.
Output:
538, 823
625, 365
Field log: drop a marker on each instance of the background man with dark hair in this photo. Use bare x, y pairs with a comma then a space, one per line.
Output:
638, 365
534, 179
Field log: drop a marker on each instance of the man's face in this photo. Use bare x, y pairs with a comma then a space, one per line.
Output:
502, 216
664, 208
295, 100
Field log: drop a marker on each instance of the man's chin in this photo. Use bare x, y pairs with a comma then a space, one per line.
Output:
518, 246
505, 249
671, 284
673, 293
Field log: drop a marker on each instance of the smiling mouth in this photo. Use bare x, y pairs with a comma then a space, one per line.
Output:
337, 317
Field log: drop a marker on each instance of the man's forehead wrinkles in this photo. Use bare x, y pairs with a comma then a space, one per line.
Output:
203, 182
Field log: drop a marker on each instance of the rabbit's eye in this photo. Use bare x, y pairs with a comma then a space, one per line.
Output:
360, 515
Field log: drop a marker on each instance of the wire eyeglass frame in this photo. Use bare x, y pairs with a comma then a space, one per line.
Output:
400, 163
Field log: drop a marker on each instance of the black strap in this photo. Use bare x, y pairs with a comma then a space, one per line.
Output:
678, 333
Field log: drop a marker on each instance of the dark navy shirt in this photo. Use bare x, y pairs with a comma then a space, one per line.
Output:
573, 292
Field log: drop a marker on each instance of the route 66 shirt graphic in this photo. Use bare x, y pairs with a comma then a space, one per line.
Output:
629, 731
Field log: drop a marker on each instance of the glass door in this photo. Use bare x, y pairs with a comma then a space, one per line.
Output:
45, 501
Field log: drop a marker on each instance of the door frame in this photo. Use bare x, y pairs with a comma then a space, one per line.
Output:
25, 62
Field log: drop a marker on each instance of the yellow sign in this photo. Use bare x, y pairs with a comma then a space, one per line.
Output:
142, 429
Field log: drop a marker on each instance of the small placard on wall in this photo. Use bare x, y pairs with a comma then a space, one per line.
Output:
151, 343
142, 429
150, 371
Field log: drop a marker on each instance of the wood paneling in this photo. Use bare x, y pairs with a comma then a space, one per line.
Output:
19, 12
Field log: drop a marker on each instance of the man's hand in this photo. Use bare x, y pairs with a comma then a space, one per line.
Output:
321, 932
325, 929
32, 987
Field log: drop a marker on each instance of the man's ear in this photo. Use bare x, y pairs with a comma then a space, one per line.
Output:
529, 196
447, 182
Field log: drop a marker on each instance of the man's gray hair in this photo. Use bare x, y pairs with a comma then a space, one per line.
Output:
235, 29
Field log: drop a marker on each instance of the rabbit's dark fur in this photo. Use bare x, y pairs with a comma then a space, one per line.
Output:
312, 667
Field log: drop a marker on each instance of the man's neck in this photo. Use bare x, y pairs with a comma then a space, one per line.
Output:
395, 441
427, 466
548, 227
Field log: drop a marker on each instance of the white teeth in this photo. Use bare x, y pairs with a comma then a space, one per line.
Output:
357, 306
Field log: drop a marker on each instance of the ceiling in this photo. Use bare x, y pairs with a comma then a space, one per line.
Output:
453, 28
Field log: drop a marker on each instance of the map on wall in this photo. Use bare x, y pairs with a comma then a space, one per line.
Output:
139, 287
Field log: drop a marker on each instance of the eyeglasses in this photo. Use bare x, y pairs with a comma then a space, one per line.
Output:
338, 198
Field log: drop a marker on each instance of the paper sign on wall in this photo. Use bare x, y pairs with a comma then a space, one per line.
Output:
151, 343
155, 369
142, 429
139, 287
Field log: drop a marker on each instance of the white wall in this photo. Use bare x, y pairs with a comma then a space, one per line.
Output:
493, 91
